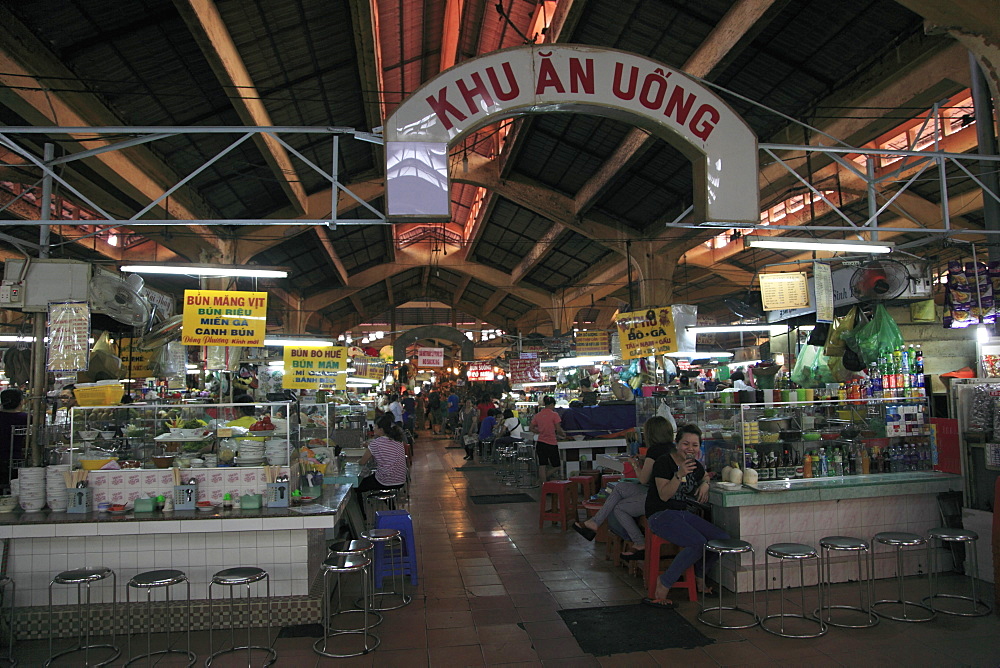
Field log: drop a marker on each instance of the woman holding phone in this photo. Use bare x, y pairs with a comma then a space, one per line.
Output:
678, 479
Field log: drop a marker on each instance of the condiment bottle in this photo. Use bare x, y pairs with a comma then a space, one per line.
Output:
807, 466
227, 501
865, 462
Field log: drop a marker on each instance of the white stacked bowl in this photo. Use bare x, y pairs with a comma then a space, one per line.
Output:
55, 487
250, 453
31, 489
276, 453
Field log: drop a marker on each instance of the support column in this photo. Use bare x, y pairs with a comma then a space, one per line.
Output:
655, 273
38, 377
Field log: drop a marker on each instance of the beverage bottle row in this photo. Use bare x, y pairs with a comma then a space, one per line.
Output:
855, 459
897, 374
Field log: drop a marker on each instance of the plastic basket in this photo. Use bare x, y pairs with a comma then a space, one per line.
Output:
99, 395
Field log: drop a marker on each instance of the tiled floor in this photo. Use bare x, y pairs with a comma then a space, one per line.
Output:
491, 585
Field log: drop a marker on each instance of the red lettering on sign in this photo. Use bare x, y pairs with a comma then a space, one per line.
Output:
699, 126
500, 93
442, 107
654, 88
581, 74
678, 106
548, 78
633, 79
470, 94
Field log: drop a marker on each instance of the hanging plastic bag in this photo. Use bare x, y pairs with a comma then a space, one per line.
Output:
923, 311
880, 335
812, 368
104, 362
835, 345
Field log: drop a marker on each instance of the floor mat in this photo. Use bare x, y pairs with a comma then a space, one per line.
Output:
487, 499
454, 447
627, 628
302, 631
474, 467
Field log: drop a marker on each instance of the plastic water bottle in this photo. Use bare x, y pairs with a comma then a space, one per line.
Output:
824, 469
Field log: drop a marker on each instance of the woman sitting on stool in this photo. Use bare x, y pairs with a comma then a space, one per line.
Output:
627, 500
678, 479
390, 456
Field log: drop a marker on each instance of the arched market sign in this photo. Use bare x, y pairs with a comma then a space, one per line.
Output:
569, 78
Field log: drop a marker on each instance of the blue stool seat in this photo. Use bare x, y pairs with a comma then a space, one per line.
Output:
402, 522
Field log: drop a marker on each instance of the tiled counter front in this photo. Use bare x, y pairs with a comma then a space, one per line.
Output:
130, 484
860, 511
288, 545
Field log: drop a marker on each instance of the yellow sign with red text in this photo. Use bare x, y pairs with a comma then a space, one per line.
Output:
315, 367
224, 318
647, 332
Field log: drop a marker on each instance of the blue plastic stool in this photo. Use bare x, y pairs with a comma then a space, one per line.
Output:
402, 522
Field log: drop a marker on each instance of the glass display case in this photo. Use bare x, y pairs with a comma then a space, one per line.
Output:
830, 438
154, 435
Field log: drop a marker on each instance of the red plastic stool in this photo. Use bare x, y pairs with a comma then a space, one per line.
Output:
612, 477
602, 531
588, 486
651, 567
562, 494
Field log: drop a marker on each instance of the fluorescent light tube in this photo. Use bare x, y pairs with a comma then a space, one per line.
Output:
204, 270
695, 355
780, 243
298, 342
708, 329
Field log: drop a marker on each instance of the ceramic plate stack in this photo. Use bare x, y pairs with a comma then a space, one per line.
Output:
31, 491
251, 453
276, 452
55, 487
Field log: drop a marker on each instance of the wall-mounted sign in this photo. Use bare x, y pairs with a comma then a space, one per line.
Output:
480, 371
430, 357
646, 332
527, 370
372, 368
135, 362
69, 333
788, 289
823, 289
310, 368
224, 318
592, 342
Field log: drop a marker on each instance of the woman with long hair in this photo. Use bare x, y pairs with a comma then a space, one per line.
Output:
389, 453
627, 500
678, 478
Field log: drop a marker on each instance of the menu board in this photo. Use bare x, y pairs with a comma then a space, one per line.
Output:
784, 290
313, 367
480, 371
372, 368
430, 357
592, 342
69, 336
224, 318
525, 370
135, 362
647, 332
823, 289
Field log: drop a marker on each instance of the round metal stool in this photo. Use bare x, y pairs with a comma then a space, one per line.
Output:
730, 546
378, 499
84, 577
525, 466
336, 565
968, 538
508, 460
359, 549
238, 577
799, 553
392, 552
866, 584
899, 540
149, 581
5, 583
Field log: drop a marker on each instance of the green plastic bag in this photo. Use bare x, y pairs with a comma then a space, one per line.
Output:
878, 336
812, 368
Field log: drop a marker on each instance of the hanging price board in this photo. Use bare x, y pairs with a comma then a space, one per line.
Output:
784, 290
648, 332
480, 371
310, 368
224, 318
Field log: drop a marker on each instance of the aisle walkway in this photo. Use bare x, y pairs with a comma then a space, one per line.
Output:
492, 584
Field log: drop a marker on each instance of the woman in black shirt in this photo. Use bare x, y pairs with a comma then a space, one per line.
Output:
678, 476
